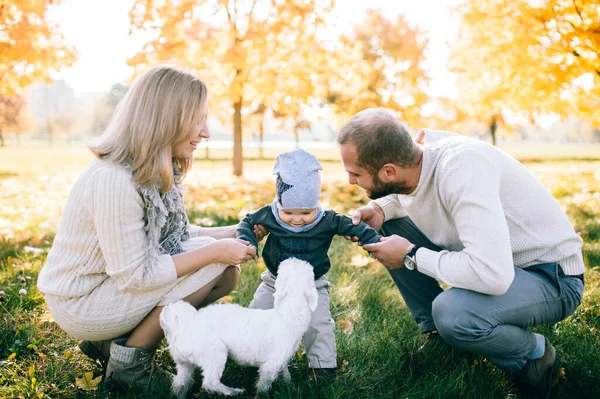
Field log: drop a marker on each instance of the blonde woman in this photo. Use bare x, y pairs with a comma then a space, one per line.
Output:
124, 246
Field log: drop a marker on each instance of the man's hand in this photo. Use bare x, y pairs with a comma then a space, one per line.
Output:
371, 214
390, 251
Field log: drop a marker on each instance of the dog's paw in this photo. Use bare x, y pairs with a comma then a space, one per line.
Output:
235, 391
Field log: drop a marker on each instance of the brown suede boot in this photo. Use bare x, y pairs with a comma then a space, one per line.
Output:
131, 368
537, 378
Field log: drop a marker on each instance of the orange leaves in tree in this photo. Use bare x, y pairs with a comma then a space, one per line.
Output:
31, 46
529, 56
246, 51
380, 64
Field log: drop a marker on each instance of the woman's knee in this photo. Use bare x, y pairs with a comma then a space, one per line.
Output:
229, 278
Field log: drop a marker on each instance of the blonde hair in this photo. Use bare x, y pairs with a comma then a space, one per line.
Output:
160, 109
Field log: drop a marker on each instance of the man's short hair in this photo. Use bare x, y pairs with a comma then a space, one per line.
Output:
379, 138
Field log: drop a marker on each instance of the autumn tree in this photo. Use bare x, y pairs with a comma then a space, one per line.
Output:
240, 48
104, 107
55, 108
528, 57
380, 64
10, 115
31, 46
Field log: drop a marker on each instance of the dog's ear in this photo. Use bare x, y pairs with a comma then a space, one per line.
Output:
312, 298
278, 296
176, 315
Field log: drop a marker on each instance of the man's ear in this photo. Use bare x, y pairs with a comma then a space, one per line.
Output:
388, 172
420, 139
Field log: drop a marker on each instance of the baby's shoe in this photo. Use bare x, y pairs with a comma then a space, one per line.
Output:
322, 374
131, 368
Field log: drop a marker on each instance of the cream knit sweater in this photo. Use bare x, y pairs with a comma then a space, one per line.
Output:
101, 234
487, 211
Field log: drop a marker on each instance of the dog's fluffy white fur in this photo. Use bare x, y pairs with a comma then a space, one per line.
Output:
266, 339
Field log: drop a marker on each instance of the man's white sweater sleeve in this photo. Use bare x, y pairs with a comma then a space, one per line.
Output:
391, 207
118, 217
470, 191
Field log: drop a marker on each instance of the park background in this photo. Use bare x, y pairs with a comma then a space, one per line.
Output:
523, 75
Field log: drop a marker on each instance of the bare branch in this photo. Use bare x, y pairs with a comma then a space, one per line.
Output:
578, 10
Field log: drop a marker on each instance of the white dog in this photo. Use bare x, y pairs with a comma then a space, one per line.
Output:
266, 339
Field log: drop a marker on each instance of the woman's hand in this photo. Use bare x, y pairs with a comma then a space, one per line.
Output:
233, 251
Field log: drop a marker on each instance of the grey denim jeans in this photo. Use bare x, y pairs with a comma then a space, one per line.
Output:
494, 326
319, 339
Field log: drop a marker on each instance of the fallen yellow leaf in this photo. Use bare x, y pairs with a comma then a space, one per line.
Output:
12, 356
226, 299
87, 382
47, 318
346, 326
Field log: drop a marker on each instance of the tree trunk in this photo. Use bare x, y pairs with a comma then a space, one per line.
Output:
493, 129
297, 136
206, 152
50, 134
261, 136
296, 129
1, 138
237, 139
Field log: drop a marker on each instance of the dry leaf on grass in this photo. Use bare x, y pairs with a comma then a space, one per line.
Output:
87, 382
346, 326
47, 318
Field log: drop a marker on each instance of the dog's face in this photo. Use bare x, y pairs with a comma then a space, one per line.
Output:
296, 277
175, 316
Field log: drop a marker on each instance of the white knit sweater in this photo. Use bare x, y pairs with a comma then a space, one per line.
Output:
101, 234
487, 211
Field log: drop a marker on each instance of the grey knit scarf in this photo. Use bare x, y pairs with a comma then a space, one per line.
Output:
165, 222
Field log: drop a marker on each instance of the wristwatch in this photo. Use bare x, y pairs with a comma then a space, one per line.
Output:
410, 259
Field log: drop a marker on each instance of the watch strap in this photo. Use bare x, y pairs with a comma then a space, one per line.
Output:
413, 252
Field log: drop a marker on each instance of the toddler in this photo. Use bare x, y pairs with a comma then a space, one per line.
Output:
299, 227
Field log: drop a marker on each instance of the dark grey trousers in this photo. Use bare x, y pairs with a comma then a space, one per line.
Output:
494, 326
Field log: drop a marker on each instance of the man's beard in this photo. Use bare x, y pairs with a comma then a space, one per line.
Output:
381, 189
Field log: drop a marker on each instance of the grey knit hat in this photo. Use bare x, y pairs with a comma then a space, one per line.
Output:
298, 180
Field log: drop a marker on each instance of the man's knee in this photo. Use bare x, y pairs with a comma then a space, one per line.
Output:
454, 320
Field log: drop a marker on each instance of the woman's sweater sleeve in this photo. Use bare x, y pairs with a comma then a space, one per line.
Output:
119, 221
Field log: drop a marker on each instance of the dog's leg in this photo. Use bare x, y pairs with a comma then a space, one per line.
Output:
183, 379
268, 372
285, 373
212, 361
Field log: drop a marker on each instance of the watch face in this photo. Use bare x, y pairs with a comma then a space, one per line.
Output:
409, 263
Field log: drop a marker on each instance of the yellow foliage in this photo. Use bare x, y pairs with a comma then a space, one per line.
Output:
259, 51
529, 57
31, 46
87, 382
380, 65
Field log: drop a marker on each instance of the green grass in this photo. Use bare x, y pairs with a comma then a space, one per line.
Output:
377, 340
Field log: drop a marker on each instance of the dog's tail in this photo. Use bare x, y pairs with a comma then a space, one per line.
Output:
176, 316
